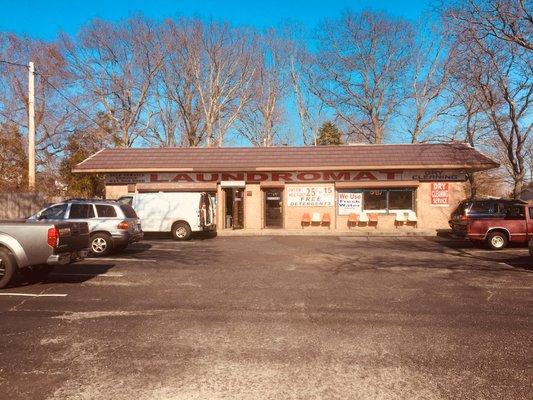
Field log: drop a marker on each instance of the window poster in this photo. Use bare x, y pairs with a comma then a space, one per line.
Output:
349, 202
310, 196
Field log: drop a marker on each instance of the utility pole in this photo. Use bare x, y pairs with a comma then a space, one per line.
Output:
31, 127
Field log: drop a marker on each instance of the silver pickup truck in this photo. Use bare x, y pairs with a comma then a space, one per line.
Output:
39, 245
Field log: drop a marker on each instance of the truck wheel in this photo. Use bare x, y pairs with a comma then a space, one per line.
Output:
101, 244
181, 231
497, 240
8, 268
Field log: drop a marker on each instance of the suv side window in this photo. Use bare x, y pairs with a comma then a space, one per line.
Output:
515, 212
54, 212
105, 211
482, 207
531, 212
81, 211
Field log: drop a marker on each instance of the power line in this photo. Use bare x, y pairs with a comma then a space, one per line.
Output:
71, 102
13, 63
57, 90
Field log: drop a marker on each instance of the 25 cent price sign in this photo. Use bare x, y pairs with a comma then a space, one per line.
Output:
310, 196
440, 195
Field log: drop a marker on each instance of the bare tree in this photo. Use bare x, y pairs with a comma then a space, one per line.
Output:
224, 67
502, 75
260, 121
179, 112
429, 98
508, 20
115, 66
55, 118
361, 64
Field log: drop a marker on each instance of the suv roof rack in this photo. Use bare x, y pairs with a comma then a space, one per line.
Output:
81, 199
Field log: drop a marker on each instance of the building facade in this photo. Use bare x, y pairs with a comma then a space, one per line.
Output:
304, 189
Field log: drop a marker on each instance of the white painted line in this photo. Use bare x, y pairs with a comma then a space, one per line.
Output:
76, 274
157, 249
34, 295
119, 259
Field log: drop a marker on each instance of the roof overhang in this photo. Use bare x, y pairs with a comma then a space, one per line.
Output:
466, 168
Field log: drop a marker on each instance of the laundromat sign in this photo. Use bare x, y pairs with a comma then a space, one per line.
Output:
299, 177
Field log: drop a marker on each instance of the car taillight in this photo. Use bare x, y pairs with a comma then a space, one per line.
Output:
123, 225
53, 237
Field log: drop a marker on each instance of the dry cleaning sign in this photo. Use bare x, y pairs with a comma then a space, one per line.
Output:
311, 196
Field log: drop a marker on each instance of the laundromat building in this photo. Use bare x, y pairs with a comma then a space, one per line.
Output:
315, 189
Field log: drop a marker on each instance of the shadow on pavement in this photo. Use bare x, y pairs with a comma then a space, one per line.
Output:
73, 273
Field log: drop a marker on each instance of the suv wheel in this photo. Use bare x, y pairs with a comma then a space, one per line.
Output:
497, 240
101, 244
181, 231
8, 268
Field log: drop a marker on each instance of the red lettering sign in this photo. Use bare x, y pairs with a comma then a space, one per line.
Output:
336, 176
182, 178
212, 178
365, 175
256, 177
440, 195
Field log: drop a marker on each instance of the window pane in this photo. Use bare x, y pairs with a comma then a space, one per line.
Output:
55, 212
482, 207
375, 200
531, 212
129, 212
515, 212
81, 211
400, 199
106, 211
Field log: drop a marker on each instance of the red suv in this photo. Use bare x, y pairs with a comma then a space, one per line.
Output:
495, 222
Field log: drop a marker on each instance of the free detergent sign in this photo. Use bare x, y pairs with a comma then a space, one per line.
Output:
350, 202
440, 194
311, 196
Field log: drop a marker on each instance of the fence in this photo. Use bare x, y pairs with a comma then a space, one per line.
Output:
21, 205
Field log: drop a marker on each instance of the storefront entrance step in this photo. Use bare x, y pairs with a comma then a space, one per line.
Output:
300, 232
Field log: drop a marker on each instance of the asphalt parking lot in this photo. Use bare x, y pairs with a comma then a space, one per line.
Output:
275, 318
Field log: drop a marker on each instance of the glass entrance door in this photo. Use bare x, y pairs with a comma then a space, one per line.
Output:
273, 208
234, 205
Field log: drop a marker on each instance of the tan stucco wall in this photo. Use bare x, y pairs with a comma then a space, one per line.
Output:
113, 192
253, 207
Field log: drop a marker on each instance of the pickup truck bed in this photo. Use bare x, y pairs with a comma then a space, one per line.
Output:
33, 243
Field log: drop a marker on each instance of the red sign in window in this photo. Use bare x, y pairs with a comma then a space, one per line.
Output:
440, 194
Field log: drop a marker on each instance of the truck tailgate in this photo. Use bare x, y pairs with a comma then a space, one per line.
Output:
73, 236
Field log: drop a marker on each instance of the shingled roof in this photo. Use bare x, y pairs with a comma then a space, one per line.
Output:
349, 157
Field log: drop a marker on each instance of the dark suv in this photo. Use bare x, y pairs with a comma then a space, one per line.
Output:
479, 208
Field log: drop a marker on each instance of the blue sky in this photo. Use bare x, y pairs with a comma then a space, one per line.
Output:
44, 18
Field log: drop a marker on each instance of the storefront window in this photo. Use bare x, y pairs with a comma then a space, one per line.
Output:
388, 199
375, 200
400, 199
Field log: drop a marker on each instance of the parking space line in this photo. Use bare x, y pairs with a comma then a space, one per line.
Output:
86, 274
34, 294
120, 259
